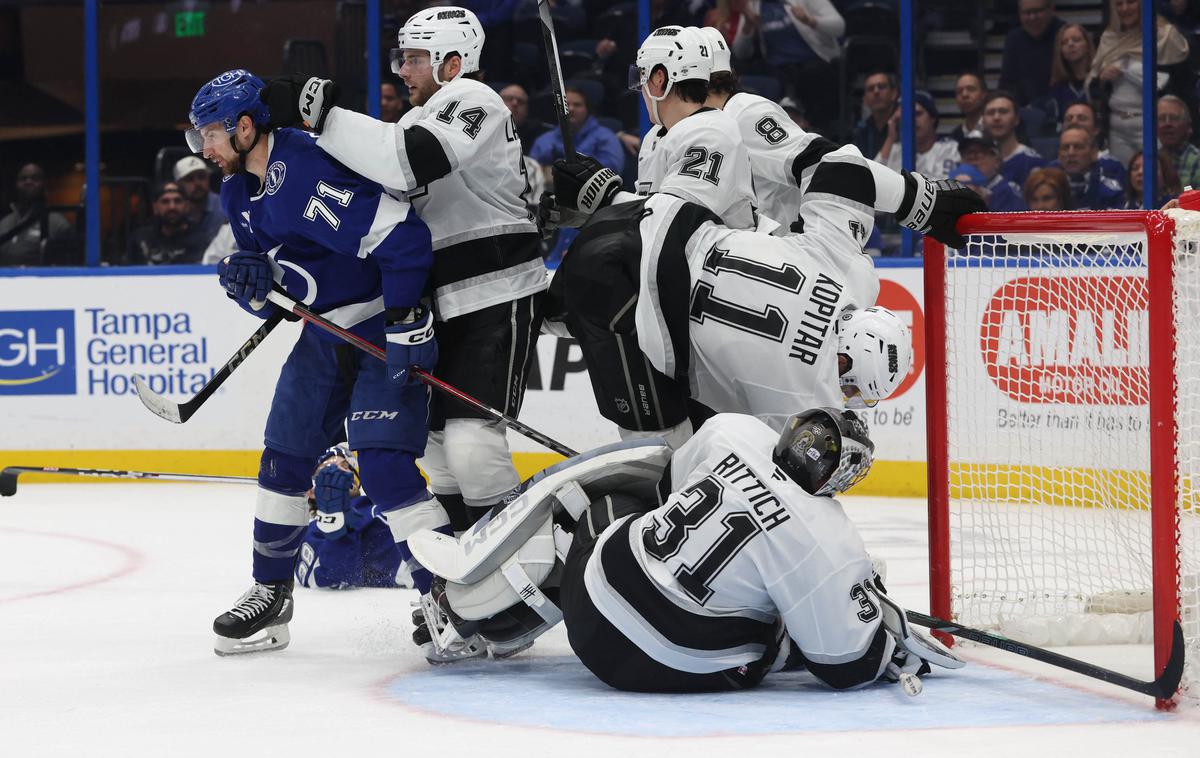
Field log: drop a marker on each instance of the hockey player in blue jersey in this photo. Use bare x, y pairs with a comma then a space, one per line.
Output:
348, 250
348, 543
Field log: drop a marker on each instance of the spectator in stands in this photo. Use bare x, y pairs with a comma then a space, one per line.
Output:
799, 40
528, 129
969, 93
1117, 72
590, 136
204, 211
935, 157
1091, 190
1047, 189
28, 212
880, 97
1084, 115
983, 154
169, 237
391, 105
1167, 184
726, 16
1028, 50
1000, 121
1174, 133
1068, 72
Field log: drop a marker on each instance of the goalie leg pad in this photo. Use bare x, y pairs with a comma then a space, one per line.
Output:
631, 467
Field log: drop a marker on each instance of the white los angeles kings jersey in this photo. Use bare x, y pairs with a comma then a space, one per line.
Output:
779, 149
761, 309
701, 159
458, 160
699, 582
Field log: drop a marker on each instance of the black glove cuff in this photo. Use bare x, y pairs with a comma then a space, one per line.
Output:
910, 195
403, 316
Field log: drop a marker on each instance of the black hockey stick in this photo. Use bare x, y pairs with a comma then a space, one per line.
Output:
284, 301
556, 80
181, 412
8, 477
1163, 687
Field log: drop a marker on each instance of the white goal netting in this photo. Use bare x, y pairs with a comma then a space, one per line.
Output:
1048, 403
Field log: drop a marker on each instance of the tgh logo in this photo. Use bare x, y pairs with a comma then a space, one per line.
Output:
37, 352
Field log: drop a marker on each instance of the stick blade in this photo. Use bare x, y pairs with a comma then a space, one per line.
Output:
1168, 681
158, 405
8, 481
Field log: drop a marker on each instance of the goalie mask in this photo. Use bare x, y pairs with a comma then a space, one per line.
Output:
878, 348
824, 450
442, 32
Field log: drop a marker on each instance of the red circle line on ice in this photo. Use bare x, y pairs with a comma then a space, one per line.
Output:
131, 561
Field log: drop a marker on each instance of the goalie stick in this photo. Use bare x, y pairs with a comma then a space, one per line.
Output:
1162, 688
181, 412
556, 80
8, 477
287, 303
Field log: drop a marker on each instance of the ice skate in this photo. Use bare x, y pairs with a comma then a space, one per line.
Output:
257, 622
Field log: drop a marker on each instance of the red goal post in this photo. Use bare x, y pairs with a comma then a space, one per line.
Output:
1066, 343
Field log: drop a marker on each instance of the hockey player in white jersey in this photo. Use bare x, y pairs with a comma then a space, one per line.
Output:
457, 157
743, 564
692, 152
679, 316
782, 157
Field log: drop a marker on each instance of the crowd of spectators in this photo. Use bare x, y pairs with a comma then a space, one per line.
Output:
1058, 126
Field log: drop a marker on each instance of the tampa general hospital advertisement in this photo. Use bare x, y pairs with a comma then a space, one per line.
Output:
72, 341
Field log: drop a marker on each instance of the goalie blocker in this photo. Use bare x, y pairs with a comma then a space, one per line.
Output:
698, 590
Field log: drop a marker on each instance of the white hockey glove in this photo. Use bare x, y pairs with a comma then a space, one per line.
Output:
934, 207
582, 184
914, 652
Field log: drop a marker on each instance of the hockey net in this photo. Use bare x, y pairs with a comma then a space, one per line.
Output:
1064, 441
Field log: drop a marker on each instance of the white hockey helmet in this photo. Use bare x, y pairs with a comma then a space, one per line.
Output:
719, 48
441, 31
682, 51
879, 348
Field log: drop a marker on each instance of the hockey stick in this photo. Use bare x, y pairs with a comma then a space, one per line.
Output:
8, 477
1163, 687
181, 412
556, 80
287, 303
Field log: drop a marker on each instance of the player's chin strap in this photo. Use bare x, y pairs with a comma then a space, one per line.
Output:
258, 133
654, 101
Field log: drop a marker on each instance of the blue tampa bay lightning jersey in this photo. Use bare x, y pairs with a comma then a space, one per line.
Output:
339, 244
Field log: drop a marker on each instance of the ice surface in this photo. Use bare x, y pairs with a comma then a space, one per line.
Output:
108, 591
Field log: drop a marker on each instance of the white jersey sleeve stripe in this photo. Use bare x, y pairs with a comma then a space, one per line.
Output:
388, 214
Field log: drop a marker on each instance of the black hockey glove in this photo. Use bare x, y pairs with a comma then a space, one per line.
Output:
582, 184
551, 216
298, 100
934, 207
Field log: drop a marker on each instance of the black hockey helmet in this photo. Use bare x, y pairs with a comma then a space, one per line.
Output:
824, 450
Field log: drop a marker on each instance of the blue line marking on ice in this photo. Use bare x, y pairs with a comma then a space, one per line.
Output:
559, 693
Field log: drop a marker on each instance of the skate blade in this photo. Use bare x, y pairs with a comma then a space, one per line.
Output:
500, 653
270, 638
442, 657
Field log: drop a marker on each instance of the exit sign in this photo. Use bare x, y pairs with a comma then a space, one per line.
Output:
189, 24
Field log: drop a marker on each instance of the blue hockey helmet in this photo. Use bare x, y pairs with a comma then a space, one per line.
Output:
341, 456
223, 101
